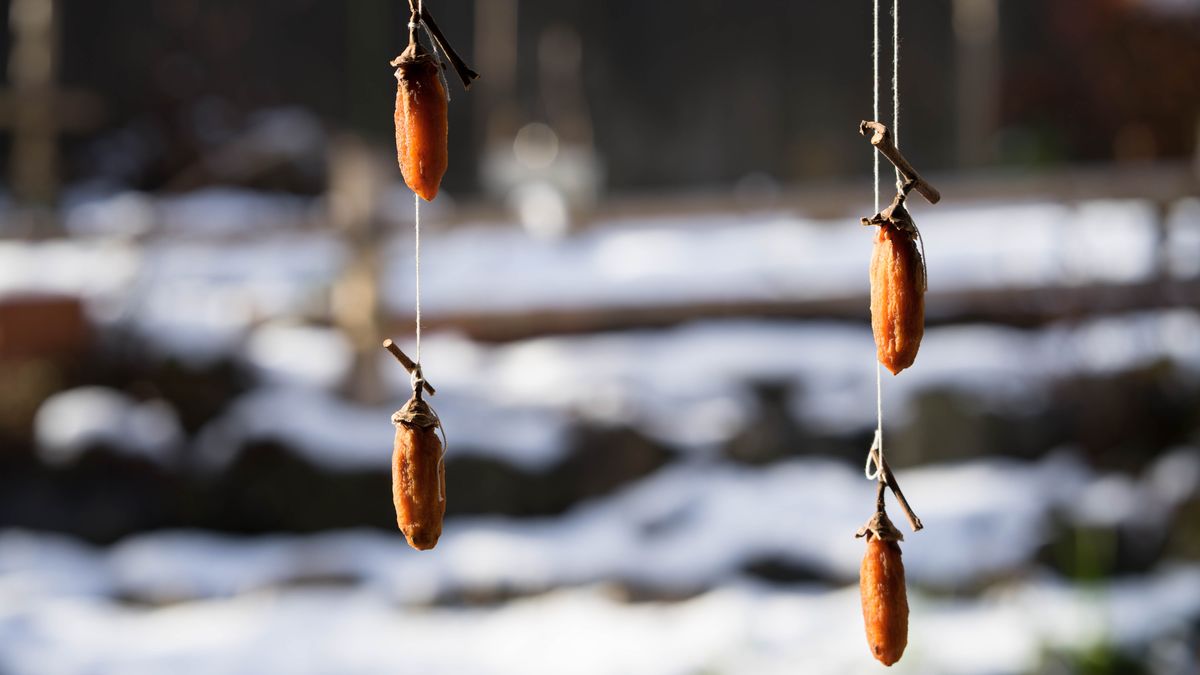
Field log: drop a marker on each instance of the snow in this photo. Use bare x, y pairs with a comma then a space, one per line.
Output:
768, 256
233, 211
197, 300
121, 215
88, 269
687, 527
1116, 498
1182, 247
289, 353
362, 601
69, 422
38, 565
201, 213
515, 401
742, 628
236, 258
332, 433
232, 278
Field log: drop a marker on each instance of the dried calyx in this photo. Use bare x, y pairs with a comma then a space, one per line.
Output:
880, 527
416, 413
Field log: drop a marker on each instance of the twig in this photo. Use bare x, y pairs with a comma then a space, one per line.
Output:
461, 68
408, 363
881, 138
890, 479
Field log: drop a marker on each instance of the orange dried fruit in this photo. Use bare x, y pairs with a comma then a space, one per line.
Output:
897, 296
418, 474
422, 129
884, 599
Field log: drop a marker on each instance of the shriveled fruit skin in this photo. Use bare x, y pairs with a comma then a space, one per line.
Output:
418, 483
897, 297
884, 600
422, 129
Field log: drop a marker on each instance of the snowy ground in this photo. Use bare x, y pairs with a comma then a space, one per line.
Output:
359, 601
220, 261
741, 628
516, 402
688, 526
218, 273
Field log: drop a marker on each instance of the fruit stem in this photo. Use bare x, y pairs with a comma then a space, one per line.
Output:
414, 23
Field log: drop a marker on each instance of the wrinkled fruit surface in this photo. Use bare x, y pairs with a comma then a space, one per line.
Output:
897, 298
884, 600
421, 126
418, 484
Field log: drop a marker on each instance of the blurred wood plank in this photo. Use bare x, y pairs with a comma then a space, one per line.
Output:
42, 326
1161, 182
1014, 307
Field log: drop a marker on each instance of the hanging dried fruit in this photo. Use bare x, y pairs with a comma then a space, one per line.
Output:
884, 598
418, 474
897, 266
421, 120
897, 296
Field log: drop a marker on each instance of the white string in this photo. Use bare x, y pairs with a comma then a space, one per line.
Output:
872, 469
874, 466
417, 255
896, 83
417, 227
875, 98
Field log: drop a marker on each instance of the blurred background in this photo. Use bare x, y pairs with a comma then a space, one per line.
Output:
645, 300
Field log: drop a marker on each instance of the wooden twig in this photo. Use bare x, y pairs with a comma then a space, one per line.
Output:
408, 363
461, 68
890, 479
881, 138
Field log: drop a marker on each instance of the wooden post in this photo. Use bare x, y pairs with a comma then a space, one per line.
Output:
356, 182
34, 108
977, 65
495, 97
